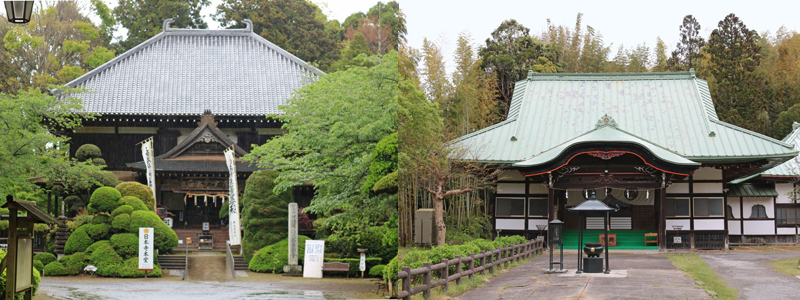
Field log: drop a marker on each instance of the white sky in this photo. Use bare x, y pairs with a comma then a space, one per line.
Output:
621, 22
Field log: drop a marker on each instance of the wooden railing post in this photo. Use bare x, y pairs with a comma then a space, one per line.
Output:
505, 261
426, 280
458, 268
446, 275
500, 259
483, 262
407, 283
471, 266
489, 261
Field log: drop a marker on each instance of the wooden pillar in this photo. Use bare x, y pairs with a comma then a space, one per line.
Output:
662, 218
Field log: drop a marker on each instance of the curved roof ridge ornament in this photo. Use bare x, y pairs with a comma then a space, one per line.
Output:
249, 25
168, 22
606, 120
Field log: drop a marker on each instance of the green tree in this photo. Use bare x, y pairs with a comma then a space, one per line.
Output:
299, 27
639, 59
434, 73
473, 101
660, 63
145, 19
688, 49
32, 141
264, 213
57, 46
355, 47
332, 127
784, 124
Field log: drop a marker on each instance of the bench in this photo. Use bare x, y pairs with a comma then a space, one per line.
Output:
336, 266
646, 241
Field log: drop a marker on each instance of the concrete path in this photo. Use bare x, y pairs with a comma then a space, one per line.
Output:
649, 276
208, 268
752, 275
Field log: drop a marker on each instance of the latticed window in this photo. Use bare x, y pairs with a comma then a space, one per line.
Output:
537, 207
788, 215
510, 207
759, 212
708, 207
677, 207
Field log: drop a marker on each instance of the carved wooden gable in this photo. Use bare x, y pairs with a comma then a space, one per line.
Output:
206, 139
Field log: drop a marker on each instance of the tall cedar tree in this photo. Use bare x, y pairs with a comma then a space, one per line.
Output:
687, 50
57, 46
297, 26
264, 213
735, 54
145, 18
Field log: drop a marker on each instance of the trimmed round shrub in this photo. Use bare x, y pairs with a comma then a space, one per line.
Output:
133, 202
105, 178
106, 260
138, 190
130, 268
78, 241
98, 161
122, 209
101, 219
121, 221
104, 199
38, 265
165, 238
74, 263
97, 231
45, 257
55, 269
94, 246
391, 270
272, 258
126, 244
87, 151
377, 271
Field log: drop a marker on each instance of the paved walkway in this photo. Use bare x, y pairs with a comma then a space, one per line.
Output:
649, 276
752, 275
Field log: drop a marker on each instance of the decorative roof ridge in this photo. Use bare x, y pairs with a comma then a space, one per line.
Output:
753, 133
610, 76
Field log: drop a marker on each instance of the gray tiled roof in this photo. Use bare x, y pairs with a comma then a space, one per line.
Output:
186, 71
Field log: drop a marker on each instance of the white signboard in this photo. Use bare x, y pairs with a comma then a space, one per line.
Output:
362, 265
234, 234
168, 221
676, 240
312, 262
146, 252
149, 163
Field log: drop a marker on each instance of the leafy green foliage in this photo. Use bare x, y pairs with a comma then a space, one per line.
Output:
104, 199
121, 221
687, 52
88, 151
391, 270
354, 262
264, 213
55, 269
36, 278
126, 244
138, 190
101, 219
105, 259
133, 202
332, 127
78, 241
45, 257
416, 258
130, 268
74, 263
379, 240
122, 209
349, 54
384, 161
272, 258
38, 265
783, 125
144, 19
97, 231
377, 270
165, 237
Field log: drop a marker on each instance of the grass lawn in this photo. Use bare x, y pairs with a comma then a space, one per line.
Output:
786, 266
697, 268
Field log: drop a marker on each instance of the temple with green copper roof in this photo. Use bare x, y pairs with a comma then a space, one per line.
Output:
649, 144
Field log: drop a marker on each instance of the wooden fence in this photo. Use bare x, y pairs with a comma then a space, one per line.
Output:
499, 258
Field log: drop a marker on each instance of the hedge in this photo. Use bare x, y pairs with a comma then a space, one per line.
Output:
55, 269
122, 209
272, 258
138, 190
133, 202
121, 221
391, 270
126, 244
73, 264
106, 260
97, 231
130, 268
354, 262
45, 257
101, 219
87, 151
38, 265
104, 199
78, 241
377, 271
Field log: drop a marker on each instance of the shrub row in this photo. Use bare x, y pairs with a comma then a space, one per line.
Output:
354, 262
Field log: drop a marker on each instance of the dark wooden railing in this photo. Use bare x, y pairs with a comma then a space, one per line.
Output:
498, 258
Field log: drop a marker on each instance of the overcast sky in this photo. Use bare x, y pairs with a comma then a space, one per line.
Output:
620, 22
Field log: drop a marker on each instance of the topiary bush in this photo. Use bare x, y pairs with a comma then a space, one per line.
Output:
55, 269
121, 221
126, 244
97, 231
74, 263
264, 213
138, 190
38, 265
78, 241
106, 260
133, 202
377, 271
101, 218
88, 151
122, 209
272, 258
104, 199
165, 237
45, 257
130, 268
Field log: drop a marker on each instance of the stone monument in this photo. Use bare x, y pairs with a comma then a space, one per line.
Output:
293, 268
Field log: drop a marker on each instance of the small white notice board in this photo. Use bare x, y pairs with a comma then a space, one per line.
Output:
146, 239
312, 262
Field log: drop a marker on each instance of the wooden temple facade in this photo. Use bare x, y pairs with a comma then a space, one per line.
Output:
196, 93
649, 145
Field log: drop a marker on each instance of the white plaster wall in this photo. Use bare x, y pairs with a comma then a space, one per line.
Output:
511, 188
783, 189
533, 222
734, 227
709, 224
684, 222
678, 187
759, 227
708, 174
708, 187
510, 175
537, 188
139, 130
748, 203
510, 224
787, 231
734, 203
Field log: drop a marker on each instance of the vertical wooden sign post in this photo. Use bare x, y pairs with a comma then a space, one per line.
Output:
146, 240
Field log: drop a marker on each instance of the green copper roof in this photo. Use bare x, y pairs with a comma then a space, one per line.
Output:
751, 190
790, 167
673, 111
607, 133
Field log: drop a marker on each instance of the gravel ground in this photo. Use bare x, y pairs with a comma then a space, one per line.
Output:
256, 286
751, 274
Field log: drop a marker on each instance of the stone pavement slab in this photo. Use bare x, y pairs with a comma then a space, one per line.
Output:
648, 276
751, 274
